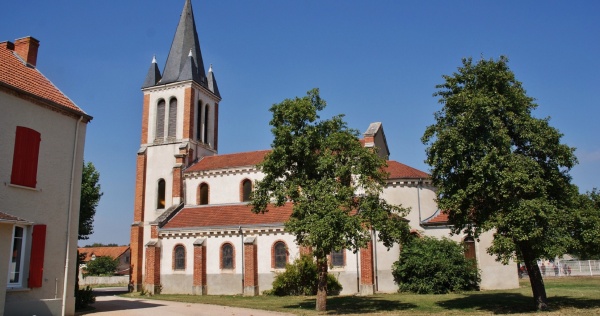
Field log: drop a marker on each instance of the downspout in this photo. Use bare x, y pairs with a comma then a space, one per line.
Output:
374, 241
69, 212
243, 267
419, 198
357, 273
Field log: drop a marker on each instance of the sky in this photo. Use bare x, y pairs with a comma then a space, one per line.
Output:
374, 61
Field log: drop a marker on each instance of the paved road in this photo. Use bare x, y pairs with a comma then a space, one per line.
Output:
109, 304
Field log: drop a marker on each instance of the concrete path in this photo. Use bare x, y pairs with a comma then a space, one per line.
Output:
109, 304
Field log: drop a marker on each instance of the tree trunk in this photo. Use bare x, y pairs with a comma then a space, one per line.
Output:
535, 277
321, 305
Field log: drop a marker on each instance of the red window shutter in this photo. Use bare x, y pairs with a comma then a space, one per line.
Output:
36, 263
25, 157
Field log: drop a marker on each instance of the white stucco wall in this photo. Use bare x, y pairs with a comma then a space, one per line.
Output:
49, 202
223, 188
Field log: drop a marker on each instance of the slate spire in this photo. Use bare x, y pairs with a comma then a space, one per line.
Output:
178, 67
212, 82
153, 75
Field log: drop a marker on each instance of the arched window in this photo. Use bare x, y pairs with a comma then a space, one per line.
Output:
179, 257
227, 256
469, 243
205, 136
172, 118
160, 196
337, 258
199, 121
246, 190
160, 119
203, 194
280, 255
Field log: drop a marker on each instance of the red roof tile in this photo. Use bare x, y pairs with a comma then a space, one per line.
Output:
401, 171
227, 215
15, 74
113, 252
395, 169
4, 217
250, 158
441, 218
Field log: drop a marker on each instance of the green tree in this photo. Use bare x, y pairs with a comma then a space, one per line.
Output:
319, 166
103, 265
498, 168
90, 197
99, 244
434, 266
587, 226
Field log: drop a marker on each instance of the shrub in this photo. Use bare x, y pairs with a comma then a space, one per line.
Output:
432, 266
301, 278
84, 297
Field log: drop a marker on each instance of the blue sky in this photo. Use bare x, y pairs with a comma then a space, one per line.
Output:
376, 61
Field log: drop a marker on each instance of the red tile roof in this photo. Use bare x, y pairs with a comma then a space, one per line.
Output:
401, 171
250, 158
16, 75
227, 215
113, 252
4, 217
440, 218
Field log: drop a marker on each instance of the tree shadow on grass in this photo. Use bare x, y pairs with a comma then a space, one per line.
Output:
511, 303
340, 305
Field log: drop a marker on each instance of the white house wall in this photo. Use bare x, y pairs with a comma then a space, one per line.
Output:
49, 202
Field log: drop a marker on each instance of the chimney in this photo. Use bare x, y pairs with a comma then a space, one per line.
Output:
27, 48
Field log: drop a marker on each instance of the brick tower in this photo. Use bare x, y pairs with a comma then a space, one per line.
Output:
179, 126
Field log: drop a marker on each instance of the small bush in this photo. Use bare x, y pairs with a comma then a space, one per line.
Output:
84, 297
301, 278
432, 266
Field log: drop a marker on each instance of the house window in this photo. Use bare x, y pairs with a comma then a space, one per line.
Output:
160, 119
179, 258
172, 118
469, 244
227, 256
205, 136
203, 194
25, 157
337, 258
246, 190
280, 255
160, 197
15, 266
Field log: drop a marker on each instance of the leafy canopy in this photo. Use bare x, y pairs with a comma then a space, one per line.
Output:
103, 265
498, 167
332, 180
587, 226
90, 197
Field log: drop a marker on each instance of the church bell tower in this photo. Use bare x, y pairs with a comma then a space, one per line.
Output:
179, 126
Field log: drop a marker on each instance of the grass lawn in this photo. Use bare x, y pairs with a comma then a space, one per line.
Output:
566, 296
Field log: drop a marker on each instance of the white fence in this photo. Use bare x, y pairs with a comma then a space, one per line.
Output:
122, 280
561, 268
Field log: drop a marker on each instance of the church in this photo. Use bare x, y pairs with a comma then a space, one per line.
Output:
193, 231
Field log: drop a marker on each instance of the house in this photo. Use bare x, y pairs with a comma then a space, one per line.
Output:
193, 232
121, 253
42, 135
